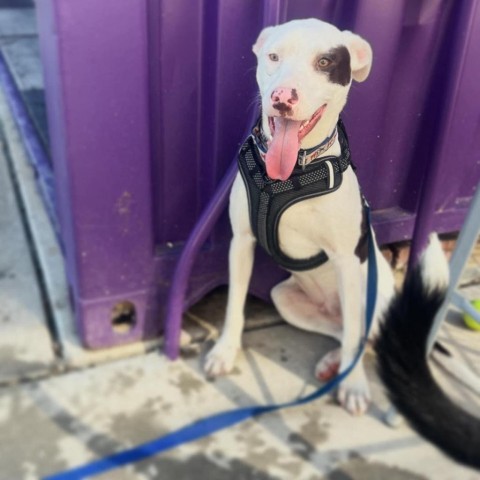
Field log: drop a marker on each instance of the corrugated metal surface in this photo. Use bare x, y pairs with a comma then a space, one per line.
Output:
148, 101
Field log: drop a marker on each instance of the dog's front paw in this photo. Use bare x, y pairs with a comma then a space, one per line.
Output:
354, 392
221, 359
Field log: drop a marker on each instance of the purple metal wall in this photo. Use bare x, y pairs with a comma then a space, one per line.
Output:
148, 100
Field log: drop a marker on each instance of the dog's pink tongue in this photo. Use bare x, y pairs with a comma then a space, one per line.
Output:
283, 150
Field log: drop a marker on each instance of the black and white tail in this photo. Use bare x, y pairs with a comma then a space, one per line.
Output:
403, 367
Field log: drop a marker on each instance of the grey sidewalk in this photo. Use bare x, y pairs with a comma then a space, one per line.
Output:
25, 344
67, 420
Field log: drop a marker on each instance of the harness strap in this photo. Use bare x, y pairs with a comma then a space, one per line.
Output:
214, 423
268, 199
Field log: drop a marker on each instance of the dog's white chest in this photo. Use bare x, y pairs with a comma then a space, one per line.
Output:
327, 222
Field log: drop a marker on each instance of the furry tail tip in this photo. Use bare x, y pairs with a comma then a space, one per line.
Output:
434, 266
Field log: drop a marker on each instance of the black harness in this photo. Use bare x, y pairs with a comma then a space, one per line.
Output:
268, 199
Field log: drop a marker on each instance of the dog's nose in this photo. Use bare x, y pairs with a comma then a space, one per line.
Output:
287, 96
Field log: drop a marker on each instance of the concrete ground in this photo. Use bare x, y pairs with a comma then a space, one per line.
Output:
61, 406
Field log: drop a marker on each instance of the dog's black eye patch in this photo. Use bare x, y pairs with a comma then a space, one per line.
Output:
336, 64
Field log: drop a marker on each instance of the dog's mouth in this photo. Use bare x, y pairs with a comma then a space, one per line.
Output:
286, 136
306, 126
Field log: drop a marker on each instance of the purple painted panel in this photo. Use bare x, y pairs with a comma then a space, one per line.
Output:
195, 111
97, 98
148, 101
453, 174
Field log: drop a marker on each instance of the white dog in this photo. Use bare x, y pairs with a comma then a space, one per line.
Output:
305, 69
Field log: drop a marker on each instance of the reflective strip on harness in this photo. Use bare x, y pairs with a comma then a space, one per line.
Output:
331, 174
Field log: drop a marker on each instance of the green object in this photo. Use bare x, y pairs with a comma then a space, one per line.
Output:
469, 320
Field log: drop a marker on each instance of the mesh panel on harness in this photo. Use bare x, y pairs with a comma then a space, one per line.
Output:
268, 199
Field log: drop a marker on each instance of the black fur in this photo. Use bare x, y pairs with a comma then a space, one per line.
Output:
441, 349
402, 364
361, 250
338, 70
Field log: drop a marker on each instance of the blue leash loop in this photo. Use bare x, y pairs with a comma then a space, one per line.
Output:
219, 421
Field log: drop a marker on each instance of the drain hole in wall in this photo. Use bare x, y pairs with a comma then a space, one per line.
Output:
123, 317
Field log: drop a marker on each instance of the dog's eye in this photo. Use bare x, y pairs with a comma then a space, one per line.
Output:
273, 57
323, 62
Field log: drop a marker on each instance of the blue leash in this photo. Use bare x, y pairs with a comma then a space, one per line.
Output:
219, 421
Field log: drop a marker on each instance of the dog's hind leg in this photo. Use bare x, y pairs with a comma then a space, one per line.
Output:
299, 310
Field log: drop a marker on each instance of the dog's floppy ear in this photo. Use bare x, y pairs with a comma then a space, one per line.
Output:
360, 55
261, 40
